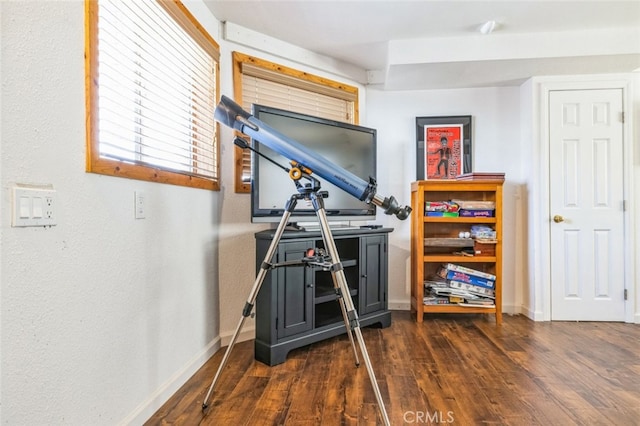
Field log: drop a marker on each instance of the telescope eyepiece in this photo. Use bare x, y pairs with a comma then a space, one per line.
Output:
390, 206
403, 212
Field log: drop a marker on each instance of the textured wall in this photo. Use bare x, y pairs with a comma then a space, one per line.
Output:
102, 314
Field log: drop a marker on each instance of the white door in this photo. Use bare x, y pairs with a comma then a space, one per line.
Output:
586, 205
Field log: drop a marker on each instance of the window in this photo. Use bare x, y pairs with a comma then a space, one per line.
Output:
152, 88
265, 83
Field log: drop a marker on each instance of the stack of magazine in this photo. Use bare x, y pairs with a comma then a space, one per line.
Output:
456, 284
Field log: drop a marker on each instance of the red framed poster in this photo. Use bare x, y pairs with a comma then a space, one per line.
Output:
443, 146
443, 151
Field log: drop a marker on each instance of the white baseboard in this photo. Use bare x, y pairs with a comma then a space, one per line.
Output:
528, 313
149, 406
245, 335
532, 315
512, 309
399, 305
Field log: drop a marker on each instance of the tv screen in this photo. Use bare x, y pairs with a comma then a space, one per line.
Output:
346, 145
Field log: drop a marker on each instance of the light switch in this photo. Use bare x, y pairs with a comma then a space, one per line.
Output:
139, 212
36, 207
33, 206
24, 208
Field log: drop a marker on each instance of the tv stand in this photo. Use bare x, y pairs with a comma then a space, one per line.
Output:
315, 227
297, 305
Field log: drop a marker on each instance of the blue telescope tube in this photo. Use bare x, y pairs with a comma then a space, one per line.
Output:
232, 115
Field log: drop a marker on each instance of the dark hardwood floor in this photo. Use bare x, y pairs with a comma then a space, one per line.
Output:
451, 369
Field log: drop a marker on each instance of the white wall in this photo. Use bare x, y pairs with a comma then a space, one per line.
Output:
102, 313
528, 133
497, 147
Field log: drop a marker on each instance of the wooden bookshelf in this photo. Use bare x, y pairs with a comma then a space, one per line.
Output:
426, 260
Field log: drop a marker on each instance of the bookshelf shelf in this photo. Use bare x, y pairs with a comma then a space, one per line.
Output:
426, 260
458, 259
457, 309
460, 219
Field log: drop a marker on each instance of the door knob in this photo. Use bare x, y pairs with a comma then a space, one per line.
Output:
557, 218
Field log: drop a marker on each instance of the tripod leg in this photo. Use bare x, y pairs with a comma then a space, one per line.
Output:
225, 358
248, 307
343, 308
352, 315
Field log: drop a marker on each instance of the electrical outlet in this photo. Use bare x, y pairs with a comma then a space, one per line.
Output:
33, 206
49, 205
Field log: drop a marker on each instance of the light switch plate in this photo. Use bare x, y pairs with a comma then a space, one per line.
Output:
33, 207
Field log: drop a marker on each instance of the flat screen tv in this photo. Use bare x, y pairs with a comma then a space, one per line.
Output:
349, 146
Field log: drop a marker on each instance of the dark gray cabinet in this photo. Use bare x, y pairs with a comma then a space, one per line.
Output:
372, 273
297, 305
293, 291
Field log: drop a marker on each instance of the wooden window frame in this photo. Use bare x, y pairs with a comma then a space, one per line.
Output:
111, 167
289, 76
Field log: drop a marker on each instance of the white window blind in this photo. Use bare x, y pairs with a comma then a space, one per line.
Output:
269, 88
156, 77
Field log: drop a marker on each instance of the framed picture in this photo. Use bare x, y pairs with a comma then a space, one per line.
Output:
443, 147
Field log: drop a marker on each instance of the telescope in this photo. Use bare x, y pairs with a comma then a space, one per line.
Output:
304, 163
232, 115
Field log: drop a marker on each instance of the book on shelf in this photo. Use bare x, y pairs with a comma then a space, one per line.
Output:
441, 206
436, 280
471, 305
442, 214
433, 300
475, 204
470, 271
466, 278
481, 176
446, 291
482, 232
476, 213
454, 287
473, 289
481, 301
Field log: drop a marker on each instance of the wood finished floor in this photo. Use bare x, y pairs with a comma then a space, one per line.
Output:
460, 370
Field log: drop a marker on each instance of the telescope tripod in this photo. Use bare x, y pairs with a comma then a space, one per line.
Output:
333, 264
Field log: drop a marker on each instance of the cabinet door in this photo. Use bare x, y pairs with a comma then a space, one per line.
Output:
373, 274
295, 292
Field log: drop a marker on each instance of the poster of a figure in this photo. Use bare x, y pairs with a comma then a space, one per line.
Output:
443, 151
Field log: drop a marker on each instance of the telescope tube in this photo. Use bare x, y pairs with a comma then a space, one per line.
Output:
232, 115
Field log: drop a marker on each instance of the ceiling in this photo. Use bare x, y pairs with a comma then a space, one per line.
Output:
408, 45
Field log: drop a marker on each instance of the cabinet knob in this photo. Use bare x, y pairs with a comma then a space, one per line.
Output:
364, 276
310, 285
